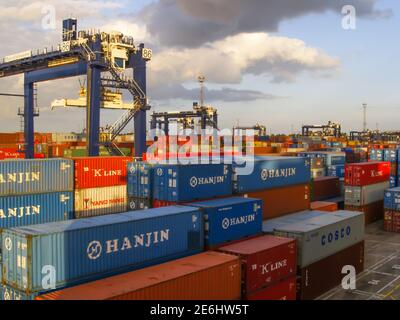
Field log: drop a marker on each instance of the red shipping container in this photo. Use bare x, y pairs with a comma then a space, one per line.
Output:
161, 203
265, 260
284, 290
98, 172
362, 174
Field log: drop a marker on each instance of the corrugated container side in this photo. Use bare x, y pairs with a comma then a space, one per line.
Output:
21, 176
96, 172
360, 196
321, 276
138, 204
336, 171
361, 174
325, 188
282, 201
178, 183
100, 201
36, 209
372, 212
140, 180
272, 172
206, 276
322, 236
392, 199
265, 260
283, 290
89, 249
324, 206
230, 219
10, 294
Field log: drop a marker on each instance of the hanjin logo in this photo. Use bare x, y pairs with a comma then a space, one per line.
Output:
94, 250
8, 244
225, 223
160, 172
193, 182
277, 173
132, 170
264, 174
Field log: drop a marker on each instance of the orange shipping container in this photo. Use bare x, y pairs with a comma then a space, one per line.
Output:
324, 206
206, 276
281, 201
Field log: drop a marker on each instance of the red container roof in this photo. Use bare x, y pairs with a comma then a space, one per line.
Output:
255, 245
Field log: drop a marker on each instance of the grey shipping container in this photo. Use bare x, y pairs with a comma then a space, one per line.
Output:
36, 176
269, 226
322, 236
360, 196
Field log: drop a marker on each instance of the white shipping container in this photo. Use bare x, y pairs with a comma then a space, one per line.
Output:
361, 196
100, 201
324, 235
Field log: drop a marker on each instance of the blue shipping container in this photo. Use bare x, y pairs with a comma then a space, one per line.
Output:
36, 176
390, 155
184, 183
92, 248
230, 219
392, 199
336, 171
393, 181
376, 155
272, 172
32, 209
140, 180
7, 293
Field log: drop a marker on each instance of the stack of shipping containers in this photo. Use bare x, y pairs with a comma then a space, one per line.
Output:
100, 186
93, 248
175, 184
392, 210
140, 185
205, 276
268, 267
282, 183
35, 191
326, 243
365, 185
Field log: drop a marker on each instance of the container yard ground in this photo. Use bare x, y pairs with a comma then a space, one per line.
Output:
381, 278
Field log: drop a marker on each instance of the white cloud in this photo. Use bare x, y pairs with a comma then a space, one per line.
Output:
227, 60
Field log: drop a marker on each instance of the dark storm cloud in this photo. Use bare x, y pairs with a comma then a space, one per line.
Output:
171, 92
191, 23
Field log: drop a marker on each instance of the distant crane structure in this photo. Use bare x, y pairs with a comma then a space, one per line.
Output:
258, 129
202, 116
329, 130
103, 58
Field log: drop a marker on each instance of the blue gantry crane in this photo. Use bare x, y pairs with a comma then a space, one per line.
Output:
94, 54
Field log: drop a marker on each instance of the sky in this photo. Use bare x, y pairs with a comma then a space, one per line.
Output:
279, 63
